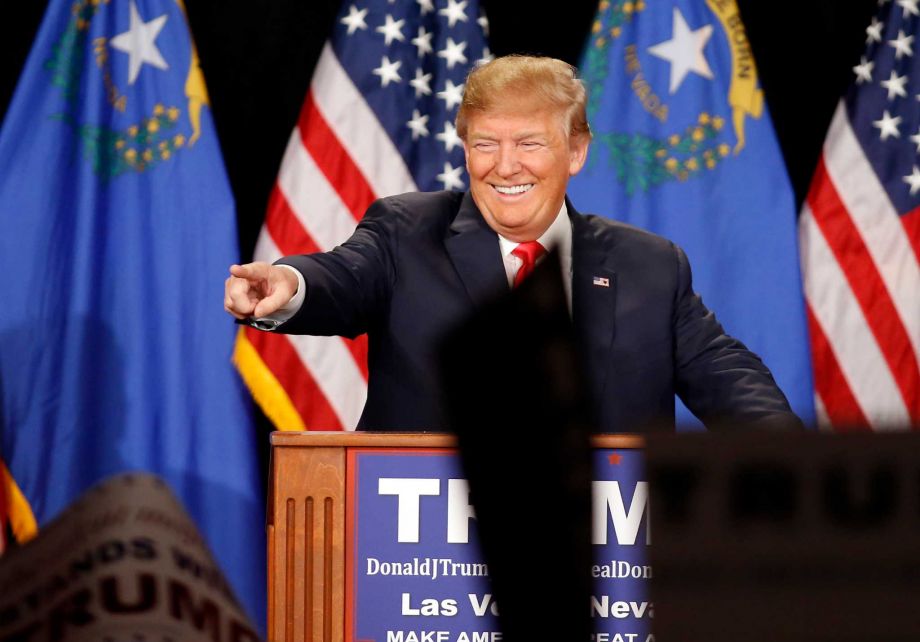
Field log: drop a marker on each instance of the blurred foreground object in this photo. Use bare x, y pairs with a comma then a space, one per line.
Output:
519, 404
785, 538
124, 562
860, 239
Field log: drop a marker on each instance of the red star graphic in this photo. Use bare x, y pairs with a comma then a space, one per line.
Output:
614, 459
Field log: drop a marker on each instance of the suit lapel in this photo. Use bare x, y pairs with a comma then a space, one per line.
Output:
474, 251
594, 289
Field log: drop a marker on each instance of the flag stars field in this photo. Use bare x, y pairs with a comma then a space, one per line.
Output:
392, 24
388, 71
908, 8
421, 83
916, 139
418, 124
913, 180
450, 177
452, 53
454, 12
422, 42
452, 94
888, 125
895, 85
355, 19
391, 30
902, 45
874, 31
449, 136
863, 70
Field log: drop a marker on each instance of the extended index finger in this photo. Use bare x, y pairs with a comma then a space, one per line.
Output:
250, 271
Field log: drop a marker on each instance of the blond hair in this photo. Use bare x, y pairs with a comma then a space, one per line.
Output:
531, 81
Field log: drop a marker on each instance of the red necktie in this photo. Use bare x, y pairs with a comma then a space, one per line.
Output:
528, 252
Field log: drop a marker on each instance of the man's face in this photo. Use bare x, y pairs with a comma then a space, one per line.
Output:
519, 163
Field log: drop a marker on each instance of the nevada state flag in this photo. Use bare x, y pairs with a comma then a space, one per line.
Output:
118, 226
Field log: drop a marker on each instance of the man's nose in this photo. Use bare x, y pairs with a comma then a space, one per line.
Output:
508, 163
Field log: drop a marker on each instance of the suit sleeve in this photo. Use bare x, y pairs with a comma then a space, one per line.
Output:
348, 287
718, 378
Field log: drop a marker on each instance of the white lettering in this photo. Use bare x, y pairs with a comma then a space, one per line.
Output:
407, 608
418, 636
459, 511
409, 491
481, 606
600, 608
603, 607
428, 606
480, 636
607, 500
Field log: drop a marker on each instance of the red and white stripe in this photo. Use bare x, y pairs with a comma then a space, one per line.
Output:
338, 161
862, 284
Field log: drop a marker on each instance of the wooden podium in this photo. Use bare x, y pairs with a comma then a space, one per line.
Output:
306, 524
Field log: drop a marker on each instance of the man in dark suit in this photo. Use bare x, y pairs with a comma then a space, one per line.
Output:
419, 263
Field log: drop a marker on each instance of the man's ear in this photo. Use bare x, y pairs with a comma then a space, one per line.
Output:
578, 153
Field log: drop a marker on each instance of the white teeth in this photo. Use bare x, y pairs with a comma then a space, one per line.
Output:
514, 189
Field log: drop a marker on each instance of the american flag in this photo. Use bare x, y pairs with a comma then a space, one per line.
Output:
860, 238
378, 120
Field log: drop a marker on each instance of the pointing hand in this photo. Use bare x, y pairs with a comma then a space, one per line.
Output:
258, 289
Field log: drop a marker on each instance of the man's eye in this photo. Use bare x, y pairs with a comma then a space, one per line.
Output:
485, 147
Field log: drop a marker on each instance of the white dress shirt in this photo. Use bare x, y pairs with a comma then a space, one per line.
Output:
557, 237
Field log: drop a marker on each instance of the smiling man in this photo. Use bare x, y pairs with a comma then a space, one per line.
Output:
520, 157
419, 263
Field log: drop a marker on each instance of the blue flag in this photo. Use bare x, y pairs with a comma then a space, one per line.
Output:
117, 227
683, 146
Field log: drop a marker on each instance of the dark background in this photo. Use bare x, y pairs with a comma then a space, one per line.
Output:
258, 57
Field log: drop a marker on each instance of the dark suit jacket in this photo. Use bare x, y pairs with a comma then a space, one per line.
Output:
419, 263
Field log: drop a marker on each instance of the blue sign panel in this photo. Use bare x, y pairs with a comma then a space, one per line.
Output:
620, 533
414, 569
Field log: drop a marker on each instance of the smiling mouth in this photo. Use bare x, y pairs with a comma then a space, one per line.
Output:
512, 190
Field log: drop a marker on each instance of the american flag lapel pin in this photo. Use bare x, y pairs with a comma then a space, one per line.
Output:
601, 281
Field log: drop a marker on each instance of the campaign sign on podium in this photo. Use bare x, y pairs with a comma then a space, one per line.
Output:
414, 571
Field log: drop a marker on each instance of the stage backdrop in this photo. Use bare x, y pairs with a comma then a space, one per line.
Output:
258, 60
